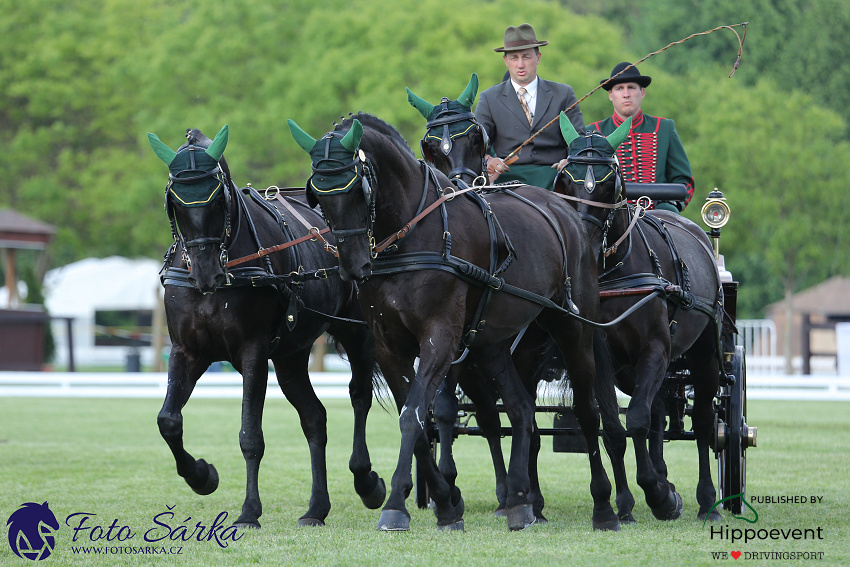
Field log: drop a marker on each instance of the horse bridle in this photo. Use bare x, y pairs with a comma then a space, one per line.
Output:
444, 118
196, 176
584, 157
366, 176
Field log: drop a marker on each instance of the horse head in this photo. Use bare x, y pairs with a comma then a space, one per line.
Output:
341, 185
453, 142
198, 202
592, 178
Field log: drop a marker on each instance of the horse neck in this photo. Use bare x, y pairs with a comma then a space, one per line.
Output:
400, 182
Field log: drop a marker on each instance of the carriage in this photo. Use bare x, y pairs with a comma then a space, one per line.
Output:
732, 434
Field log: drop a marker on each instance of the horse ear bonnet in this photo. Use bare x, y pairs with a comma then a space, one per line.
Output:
191, 162
577, 172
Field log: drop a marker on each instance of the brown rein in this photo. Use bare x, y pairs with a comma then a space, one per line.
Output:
313, 233
401, 233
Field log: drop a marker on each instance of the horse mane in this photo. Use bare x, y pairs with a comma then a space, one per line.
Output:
372, 122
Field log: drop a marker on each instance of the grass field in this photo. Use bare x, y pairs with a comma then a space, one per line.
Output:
104, 457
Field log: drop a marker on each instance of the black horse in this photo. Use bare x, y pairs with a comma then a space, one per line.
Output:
665, 254
455, 143
474, 273
273, 307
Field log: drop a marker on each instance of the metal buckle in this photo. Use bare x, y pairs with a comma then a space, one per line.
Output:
270, 194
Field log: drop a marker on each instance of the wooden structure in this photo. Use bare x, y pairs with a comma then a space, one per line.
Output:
22, 326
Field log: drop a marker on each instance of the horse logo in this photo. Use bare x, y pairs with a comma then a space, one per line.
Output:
31, 531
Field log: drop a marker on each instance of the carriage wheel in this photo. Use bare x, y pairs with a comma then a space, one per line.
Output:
732, 460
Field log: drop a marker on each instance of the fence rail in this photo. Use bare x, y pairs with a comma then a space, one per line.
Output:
329, 385
148, 385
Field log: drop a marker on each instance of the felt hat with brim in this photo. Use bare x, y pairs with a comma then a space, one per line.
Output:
520, 37
630, 75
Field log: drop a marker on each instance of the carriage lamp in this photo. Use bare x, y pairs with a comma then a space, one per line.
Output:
715, 213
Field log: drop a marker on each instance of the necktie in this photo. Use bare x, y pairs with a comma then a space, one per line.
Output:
521, 94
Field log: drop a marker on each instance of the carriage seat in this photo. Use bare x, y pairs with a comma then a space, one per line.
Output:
657, 191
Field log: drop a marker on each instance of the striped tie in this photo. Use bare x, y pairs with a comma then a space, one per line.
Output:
521, 94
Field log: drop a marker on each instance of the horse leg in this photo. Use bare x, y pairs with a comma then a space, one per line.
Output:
706, 379
360, 348
579, 358
294, 381
254, 369
496, 361
445, 416
657, 426
474, 385
536, 495
665, 503
526, 362
613, 432
183, 374
394, 516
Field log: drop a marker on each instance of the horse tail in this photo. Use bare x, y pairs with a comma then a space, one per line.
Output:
380, 387
552, 369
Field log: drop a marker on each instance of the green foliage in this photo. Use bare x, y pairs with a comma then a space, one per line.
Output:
83, 82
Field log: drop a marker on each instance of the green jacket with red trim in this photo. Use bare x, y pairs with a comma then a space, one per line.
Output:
652, 153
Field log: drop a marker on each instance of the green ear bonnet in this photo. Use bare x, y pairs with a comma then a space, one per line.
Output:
591, 158
195, 176
337, 163
449, 119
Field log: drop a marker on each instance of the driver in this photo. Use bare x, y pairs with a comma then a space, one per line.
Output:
514, 109
652, 152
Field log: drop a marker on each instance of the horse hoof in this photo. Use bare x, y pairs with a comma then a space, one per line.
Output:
714, 517
672, 510
501, 512
206, 481
627, 518
305, 522
453, 527
394, 521
520, 517
607, 526
247, 524
374, 500
540, 519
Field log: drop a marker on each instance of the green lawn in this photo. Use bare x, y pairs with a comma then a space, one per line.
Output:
105, 458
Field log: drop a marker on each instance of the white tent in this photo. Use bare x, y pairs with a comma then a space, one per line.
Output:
78, 290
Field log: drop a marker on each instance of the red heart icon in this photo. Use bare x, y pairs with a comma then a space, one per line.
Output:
735, 554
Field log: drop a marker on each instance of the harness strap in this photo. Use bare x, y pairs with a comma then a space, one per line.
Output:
310, 228
262, 252
257, 277
402, 232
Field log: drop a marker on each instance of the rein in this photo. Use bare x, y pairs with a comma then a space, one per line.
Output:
401, 233
314, 233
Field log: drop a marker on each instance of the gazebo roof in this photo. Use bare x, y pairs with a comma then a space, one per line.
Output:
20, 231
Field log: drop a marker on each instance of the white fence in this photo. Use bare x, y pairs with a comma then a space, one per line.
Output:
148, 385
331, 385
